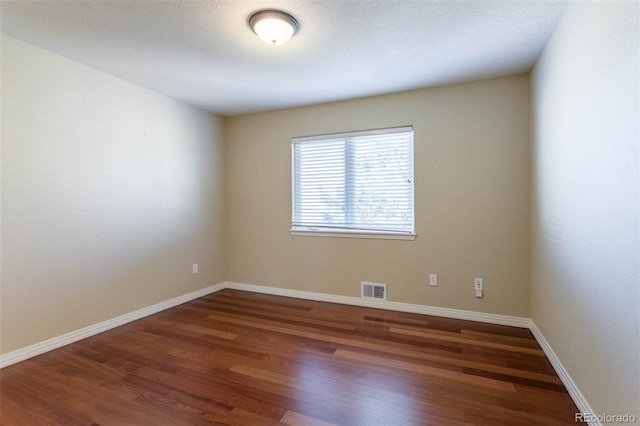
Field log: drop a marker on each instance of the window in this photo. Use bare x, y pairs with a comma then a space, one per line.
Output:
354, 184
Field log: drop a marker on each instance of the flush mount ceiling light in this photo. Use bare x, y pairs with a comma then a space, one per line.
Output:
274, 27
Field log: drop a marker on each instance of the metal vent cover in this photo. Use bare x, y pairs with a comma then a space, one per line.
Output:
375, 291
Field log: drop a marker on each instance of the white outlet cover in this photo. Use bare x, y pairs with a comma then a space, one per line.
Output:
478, 283
433, 279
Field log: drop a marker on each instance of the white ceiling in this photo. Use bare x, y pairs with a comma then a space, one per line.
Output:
205, 54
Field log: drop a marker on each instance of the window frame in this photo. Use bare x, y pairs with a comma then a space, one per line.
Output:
301, 230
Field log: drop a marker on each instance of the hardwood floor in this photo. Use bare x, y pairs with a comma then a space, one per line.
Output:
238, 358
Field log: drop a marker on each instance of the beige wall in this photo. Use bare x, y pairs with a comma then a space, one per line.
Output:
109, 193
585, 207
471, 190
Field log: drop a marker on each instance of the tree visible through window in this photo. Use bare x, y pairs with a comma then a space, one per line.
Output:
354, 182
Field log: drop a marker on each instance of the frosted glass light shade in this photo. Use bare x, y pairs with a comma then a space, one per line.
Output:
274, 27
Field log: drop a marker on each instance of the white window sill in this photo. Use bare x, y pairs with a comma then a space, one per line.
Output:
343, 233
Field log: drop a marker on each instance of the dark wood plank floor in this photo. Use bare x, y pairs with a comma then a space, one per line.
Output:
238, 358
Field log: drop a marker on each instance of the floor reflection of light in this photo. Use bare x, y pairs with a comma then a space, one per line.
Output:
364, 403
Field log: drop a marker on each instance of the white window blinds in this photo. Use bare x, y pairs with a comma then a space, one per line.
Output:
354, 182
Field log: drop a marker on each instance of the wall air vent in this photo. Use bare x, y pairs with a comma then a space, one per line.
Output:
374, 291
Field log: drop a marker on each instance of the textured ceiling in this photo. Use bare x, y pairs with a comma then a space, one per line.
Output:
204, 53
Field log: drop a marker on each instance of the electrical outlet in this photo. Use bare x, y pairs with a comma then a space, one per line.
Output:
478, 284
195, 268
433, 279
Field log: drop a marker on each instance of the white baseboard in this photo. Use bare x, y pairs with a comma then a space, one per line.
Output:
392, 306
65, 339
57, 342
572, 388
